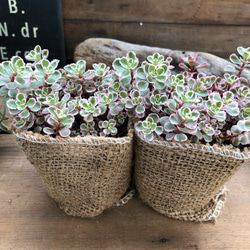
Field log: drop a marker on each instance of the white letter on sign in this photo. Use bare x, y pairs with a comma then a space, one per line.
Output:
12, 6
3, 29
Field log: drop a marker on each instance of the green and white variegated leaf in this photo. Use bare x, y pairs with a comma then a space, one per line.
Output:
169, 127
149, 136
64, 132
180, 137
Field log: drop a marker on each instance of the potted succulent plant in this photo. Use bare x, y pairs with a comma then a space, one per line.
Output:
194, 134
72, 125
192, 130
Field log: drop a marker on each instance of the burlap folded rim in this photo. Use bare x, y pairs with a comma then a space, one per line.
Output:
84, 175
184, 180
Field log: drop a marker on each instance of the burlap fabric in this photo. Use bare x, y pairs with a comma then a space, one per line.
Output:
184, 181
84, 175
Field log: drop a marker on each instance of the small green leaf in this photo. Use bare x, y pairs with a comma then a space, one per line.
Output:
247, 125
169, 127
243, 139
31, 102
11, 85
48, 131
21, 97
235, 59
36, 107
142, 85
159, 130
173, 119
11, 104
140, 73
140, 109
25, 113
159, 85
64, 132
117, 65
149, 137
207, 138
180, 137
154, 117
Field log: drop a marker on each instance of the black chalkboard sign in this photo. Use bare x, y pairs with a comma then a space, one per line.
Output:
27, 23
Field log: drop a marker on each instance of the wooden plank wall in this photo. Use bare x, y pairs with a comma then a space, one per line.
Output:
214, 26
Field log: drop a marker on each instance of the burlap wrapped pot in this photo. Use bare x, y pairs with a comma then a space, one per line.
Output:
84, 175
184, 180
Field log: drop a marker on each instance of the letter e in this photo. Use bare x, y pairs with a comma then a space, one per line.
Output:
3, 52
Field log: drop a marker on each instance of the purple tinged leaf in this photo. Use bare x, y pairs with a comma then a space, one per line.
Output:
139, 126
67, 120
140, 73
169, 127
207, 137
159, 85
117, 65
36, 107
64, 132
243, 139
11, 85
52, 121
247, 125
233, 111
11, 104
173, 119
235, 141
159, 130
48, 131
113, 130
142, 85
235, 59
21, 97
140, 109
31, 102
180, 137
161, 78
149, 137
129, 104
170, 136
40, 120
154, 117
24, 114
3, 90
14, 111
236, 129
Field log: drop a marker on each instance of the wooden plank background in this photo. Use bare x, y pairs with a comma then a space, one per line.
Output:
214, 26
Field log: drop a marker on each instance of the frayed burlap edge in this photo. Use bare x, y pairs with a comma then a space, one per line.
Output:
114, 171
144, 177
224, 150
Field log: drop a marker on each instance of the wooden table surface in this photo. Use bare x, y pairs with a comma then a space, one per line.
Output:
29, 219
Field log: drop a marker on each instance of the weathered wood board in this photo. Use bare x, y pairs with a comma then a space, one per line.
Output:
214, 26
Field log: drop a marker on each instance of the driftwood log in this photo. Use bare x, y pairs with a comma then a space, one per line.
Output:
101, 50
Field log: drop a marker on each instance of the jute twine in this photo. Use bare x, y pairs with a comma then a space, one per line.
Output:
184, 181
84, 175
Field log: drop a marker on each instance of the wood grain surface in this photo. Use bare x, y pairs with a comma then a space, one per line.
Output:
29, 219
214, 26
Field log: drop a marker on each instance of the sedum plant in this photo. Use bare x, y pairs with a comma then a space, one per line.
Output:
69, 101
184, 107
192, 106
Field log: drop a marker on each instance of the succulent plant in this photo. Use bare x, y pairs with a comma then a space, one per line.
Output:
187, 106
